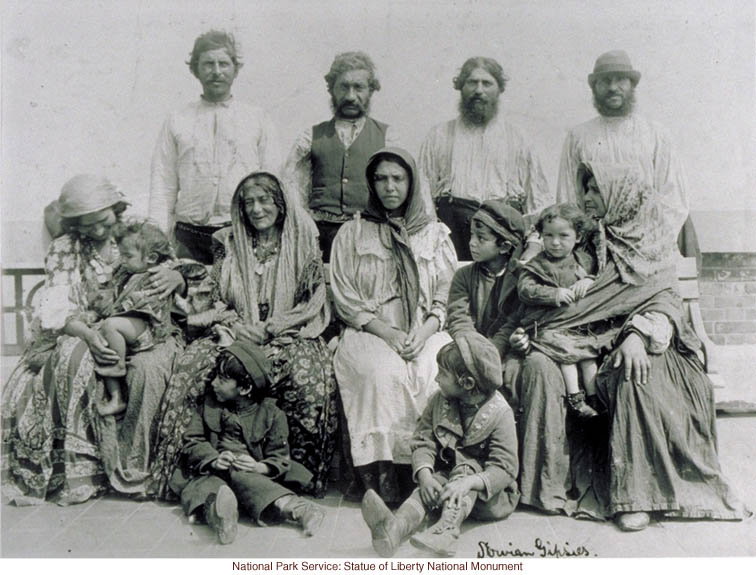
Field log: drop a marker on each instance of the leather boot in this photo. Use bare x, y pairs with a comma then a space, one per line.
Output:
442, 537
309, 515
222, 514
388, 529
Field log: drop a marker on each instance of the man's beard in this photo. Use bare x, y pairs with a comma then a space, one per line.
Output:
628, 103
475, 114
362, 109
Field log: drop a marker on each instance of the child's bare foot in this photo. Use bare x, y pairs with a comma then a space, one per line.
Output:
111, 407
579, 407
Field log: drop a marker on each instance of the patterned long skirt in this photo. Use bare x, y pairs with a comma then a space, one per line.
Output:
56, 447
302, 382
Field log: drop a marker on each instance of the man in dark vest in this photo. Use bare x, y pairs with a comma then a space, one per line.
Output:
327, 164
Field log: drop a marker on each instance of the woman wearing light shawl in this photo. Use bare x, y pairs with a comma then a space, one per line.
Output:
656, 450
391, 268
267, 287
56, 446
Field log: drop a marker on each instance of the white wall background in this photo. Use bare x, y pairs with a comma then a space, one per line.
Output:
87, 84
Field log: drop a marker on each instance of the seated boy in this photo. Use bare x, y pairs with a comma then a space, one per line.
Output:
464, 454
236, 447
481, 291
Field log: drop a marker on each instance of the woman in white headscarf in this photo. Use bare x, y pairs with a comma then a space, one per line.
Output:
55, 445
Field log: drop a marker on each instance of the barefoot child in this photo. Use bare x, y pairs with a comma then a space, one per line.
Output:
559, 276
135, 319
464, 454
236, 449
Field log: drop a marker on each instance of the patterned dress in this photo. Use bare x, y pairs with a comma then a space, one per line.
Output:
55, 445
302, 379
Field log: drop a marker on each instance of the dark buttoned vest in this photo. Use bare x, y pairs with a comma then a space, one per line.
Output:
338, 174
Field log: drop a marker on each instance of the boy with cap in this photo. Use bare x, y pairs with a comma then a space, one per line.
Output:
236, 446
464, 454
484, 292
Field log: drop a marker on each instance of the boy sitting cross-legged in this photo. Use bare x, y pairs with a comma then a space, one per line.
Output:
236, 448
464, 454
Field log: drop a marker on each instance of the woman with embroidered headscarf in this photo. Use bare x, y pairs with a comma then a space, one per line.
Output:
267, 288
55, 445
655, 451
391, 268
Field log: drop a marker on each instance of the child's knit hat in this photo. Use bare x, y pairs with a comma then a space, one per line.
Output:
481, 359
252, 357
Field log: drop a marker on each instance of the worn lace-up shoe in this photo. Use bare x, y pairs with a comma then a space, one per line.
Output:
222, 514
442, 537
309, 515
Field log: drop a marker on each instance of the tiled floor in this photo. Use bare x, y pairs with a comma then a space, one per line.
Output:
116, 527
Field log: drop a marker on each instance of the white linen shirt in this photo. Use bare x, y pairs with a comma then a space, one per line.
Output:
203, 152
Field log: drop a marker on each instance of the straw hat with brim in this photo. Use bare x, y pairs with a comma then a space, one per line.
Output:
86, 194
616, 62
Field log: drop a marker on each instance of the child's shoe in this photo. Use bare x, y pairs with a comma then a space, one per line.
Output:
388, 530
579, 407
222, 514
442, 537
309, 515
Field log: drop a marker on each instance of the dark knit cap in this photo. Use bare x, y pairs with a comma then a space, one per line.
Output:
481, 359
252, 357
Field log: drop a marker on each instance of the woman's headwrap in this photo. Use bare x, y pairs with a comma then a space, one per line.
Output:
298, 249
481, 359
632, 231
502, 219
86, 194
395, 231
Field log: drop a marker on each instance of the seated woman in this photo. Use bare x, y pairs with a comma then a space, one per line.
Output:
55, 445
266, 287
656, 452
390, 273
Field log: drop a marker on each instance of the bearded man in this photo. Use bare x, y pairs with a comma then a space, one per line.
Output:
206, 148
620, 135
479, 156
327, 164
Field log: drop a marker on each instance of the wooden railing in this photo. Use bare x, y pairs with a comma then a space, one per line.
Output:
20, 311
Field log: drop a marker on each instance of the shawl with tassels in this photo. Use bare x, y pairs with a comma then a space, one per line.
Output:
632, 231
298, 258
395, 232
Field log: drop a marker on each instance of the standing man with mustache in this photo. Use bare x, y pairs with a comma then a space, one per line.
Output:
480, 156
620, 135
206, 148
327, 164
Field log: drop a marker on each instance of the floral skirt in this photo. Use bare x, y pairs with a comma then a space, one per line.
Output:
302, 382
56, 447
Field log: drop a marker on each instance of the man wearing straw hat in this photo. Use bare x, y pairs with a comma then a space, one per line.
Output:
620, 135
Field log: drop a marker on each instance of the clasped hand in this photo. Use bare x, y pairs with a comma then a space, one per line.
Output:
566, 296
434, 494
242, 462
407, 345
